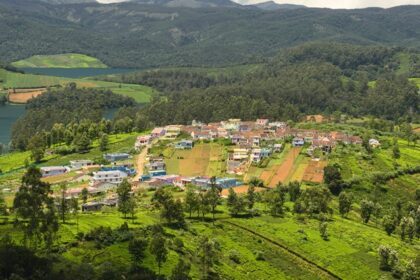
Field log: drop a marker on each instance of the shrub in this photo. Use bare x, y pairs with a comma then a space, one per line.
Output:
259, 256
235, 256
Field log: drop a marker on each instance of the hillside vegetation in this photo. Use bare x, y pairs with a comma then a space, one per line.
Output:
309, 79
152, 35
70, 60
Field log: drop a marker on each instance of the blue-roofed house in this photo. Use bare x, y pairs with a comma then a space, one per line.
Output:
298, 142
184, 145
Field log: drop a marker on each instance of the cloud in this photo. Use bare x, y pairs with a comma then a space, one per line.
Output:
341, 4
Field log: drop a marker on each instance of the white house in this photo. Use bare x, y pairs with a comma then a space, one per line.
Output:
240, 154
172, 131
54, 170
113, 176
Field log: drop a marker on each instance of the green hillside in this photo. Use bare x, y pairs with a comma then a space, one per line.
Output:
142, 36
140, 93
69, 60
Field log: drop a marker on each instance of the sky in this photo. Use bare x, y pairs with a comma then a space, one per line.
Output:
334, 4
342, 4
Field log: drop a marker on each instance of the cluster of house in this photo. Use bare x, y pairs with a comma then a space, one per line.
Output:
254, 140
113, 174
203, 182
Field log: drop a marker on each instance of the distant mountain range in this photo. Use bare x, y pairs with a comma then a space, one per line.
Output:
154, 33
271, 5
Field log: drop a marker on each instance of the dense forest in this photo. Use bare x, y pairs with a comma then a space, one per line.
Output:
154, 35
68, 105
309, 79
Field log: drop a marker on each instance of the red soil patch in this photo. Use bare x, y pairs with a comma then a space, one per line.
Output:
285, 168
240, 190
20, 96
266, 175
315, 172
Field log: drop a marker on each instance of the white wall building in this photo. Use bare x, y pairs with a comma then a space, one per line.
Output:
114, 176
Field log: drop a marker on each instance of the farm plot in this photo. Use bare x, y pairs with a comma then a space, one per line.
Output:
285, 169
23, 97
314, 172
299, 169
203, 159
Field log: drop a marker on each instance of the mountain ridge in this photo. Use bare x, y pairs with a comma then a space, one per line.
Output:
148, 35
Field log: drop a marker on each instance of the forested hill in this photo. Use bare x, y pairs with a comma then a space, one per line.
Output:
141, 36
309, 79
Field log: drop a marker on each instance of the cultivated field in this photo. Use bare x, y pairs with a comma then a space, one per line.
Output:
314, 172
204, 159
23, 96
284, 170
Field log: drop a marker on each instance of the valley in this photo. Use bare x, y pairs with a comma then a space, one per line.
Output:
209, 139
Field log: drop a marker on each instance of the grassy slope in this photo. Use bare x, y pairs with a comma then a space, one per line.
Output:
69, 60
350, 252
140, 93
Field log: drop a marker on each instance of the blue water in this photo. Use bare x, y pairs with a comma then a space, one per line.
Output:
76, 72
8, 115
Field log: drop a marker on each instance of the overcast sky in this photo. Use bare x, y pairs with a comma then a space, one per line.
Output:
343, 4
335, 4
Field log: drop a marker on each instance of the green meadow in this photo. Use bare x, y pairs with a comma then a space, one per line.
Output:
140, 93
68, 60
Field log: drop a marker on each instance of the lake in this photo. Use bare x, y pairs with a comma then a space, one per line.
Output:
8, 115
76, 72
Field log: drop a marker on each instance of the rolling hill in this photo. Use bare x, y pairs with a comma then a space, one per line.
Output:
142, 35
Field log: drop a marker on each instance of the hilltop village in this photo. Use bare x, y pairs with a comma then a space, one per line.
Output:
249, 146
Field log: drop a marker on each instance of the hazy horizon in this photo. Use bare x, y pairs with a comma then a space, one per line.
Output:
344, 4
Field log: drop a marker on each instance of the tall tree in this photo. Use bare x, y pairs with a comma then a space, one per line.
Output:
250, 197
84, 195
181, 271
74, 206
389, 224
388, 258
158, 249
123, 192
208, 250
345, 201
103, 143
34, 208
191, 201
235, 203
277, 199
366, 210
294, 190
213, 196
137, 248
37, 145
63, 205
